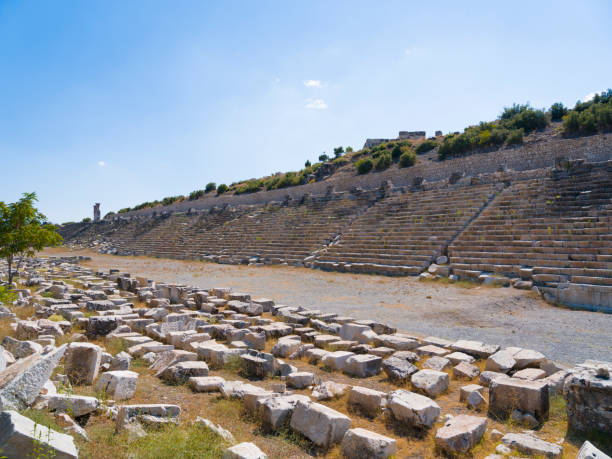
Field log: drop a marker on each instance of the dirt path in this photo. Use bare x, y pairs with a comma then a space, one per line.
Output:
497, 315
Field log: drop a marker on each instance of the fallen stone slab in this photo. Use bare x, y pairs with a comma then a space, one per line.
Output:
369, 401
588, 396
21, 349
336, 360
530, 374
118, 384
319, 423
461, 433
431, 382
465, 391
508, 394
399, 343
276, 411
205, 383
502, 361
74, 405
464, 370
82, 362
244, 450
530, 444
397, 369
328, 390
180, 372
363, 366
148, 413
475, 348
414, 409
20, 437
223, 433
300, 379
361, 443
589, 451
22, 382
436, 363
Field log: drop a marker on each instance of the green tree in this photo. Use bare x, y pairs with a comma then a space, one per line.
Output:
323, 157
307, 163
23, 232
222, 188
339, 151
557, 111
212, 186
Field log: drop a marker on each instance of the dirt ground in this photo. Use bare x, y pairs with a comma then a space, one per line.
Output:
496, 315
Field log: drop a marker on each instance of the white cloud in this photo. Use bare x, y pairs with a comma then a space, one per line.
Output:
316, 104
589, 96
312, 83
101, 163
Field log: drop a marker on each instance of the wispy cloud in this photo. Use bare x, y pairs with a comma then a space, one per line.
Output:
589, 96
316, 104
312, 83
101, 163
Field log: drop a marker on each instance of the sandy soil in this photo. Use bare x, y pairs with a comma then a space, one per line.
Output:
496, 315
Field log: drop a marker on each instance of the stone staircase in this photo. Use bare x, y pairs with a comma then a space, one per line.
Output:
403, 234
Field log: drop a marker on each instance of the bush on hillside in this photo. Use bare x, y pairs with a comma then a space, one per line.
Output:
211, 186
323, 157
364, 165
426, 146
383, 161
109, 214
223, 188
339, 151
86, 220
515, 137
396, 152
596, 118
557, 111
197, 194
407, 159
307, 163
172, 199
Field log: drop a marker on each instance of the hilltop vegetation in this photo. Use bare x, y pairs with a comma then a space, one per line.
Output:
510, 129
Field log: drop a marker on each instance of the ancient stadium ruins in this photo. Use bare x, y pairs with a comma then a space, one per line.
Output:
104, 362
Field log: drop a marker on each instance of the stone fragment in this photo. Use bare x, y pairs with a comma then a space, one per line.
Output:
276, 412
397, 369
458, 357
475, 348
337, 360
508, 394
21, 349
461, 434
528, 358
530, 374
244, 450
319, 423
20, 437
118, 384
465, 370
328, 390
361, 443
121, 361
82, 362
437, 363
363, 366
588, 399
148, 414
223, 433
300, 380
22, 382
74, 405
205, 383
369, 401
486, 377
431, 382
467, 390
502, 362
70, 425
180, 372
414, 409
530, 444
476, 401
589, 451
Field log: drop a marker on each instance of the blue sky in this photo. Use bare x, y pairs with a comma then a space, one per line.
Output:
123, 102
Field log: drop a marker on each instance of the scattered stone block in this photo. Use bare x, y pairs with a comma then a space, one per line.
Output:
476, 401
369, 401
508, 394
431, 382
465, 370
530, 444
328, 390
319, 423
461, 434
589, 451
180, 372
458, 357
205, 383
501, 362
588, 396
21, 437
397, 369
75, 405
475, 348
361, 443
244, 450
300, 380
414, 409
363, 366
530, 374
337, 360
276, 412
467, 390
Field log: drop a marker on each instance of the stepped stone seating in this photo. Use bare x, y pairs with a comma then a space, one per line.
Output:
556, 231
403, 234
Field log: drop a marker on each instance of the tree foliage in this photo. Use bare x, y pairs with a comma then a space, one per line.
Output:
23, 232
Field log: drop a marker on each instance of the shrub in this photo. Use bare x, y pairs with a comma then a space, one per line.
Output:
407, 159
109, 214
426, 146
7, 296
557, 111
396, 152
124, 210
515, 137
596, 118
212, 186
383, 161
86, 220
349, 149
364, 165
223, 188
323, 157
307, 163
528, 120
197, 194
339, 151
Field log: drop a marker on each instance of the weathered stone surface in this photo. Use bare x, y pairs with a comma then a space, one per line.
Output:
475, 348
486, 377
20, 437
502, 362
206, 383
414, 409
530, 444
588, 399
431, 382
276, 412
21, 383
528, 358
121, 361
82, 362
300, 379
74, 405
467, 390
508, 394
21, 349
337, 360
361, 443
461, 434
180, 372
319, 423
398, 369
589, 451
465, 370
363, 366
147, 413
458, 357
530, 374
223, 433
118, 384
328, 390
369, 401
101, 326
476, 400
437, 363
285, 346
244, 450
397, 342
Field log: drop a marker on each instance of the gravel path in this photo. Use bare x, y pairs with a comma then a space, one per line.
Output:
496, 315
